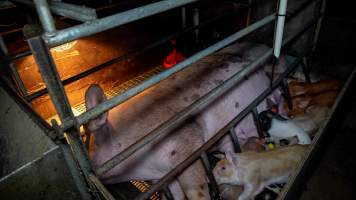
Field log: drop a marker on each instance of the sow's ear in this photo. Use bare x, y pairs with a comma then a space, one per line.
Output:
93, 97
231, 157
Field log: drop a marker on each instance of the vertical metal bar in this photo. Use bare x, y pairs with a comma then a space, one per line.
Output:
278, 34
56, 91
286, 93
184, 18
215, 194
45, 15
196, 23
249, 13
318, 26
235, 140
257, 123
305, 69
12, 69
167, 192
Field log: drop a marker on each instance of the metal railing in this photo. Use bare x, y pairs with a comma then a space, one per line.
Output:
40, 48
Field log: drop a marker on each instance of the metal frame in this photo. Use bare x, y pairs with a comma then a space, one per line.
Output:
40, 48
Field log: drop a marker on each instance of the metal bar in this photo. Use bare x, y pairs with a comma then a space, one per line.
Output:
178, 119
60, 101
318, 27
286, 94
12, 69
72, 11
73, 169
107, 105
45, 16
167, 192
249, 12
106, 194
301, 8
99, 25
292, 189
235, 140
129, 55
257, 123
215, 194
184, 18
305, 69
222, 132
19, 55
282, 9
196, 23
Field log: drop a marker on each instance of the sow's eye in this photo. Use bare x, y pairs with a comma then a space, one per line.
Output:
223, 168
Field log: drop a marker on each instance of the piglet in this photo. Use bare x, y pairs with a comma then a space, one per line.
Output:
297, 88
300, 103
256, 170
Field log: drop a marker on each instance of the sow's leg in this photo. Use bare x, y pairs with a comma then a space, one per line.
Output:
181, 144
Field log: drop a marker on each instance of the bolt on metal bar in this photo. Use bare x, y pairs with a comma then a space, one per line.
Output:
175, 121
107, 105
45, 16
212, 182
79, 13
235, 140
222, 132
56, 91
99, 25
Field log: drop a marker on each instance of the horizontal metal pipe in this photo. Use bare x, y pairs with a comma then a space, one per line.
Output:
175, 121
19, 55
222, 132
99, 25
107, 105
72, 11
129, 55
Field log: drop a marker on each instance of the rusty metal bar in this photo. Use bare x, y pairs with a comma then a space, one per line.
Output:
222, 132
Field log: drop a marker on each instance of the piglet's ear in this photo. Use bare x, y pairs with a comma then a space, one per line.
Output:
231, 157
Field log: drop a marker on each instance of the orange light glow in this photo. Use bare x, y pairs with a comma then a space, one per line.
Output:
172, 59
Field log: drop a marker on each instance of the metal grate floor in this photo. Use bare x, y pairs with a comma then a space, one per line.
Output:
80, 108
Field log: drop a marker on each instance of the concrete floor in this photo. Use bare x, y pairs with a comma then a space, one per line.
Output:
335, 175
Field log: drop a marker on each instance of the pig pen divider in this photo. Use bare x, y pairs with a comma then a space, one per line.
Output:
222, 132
71, 124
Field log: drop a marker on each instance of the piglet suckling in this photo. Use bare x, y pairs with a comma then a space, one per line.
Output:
256, 170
